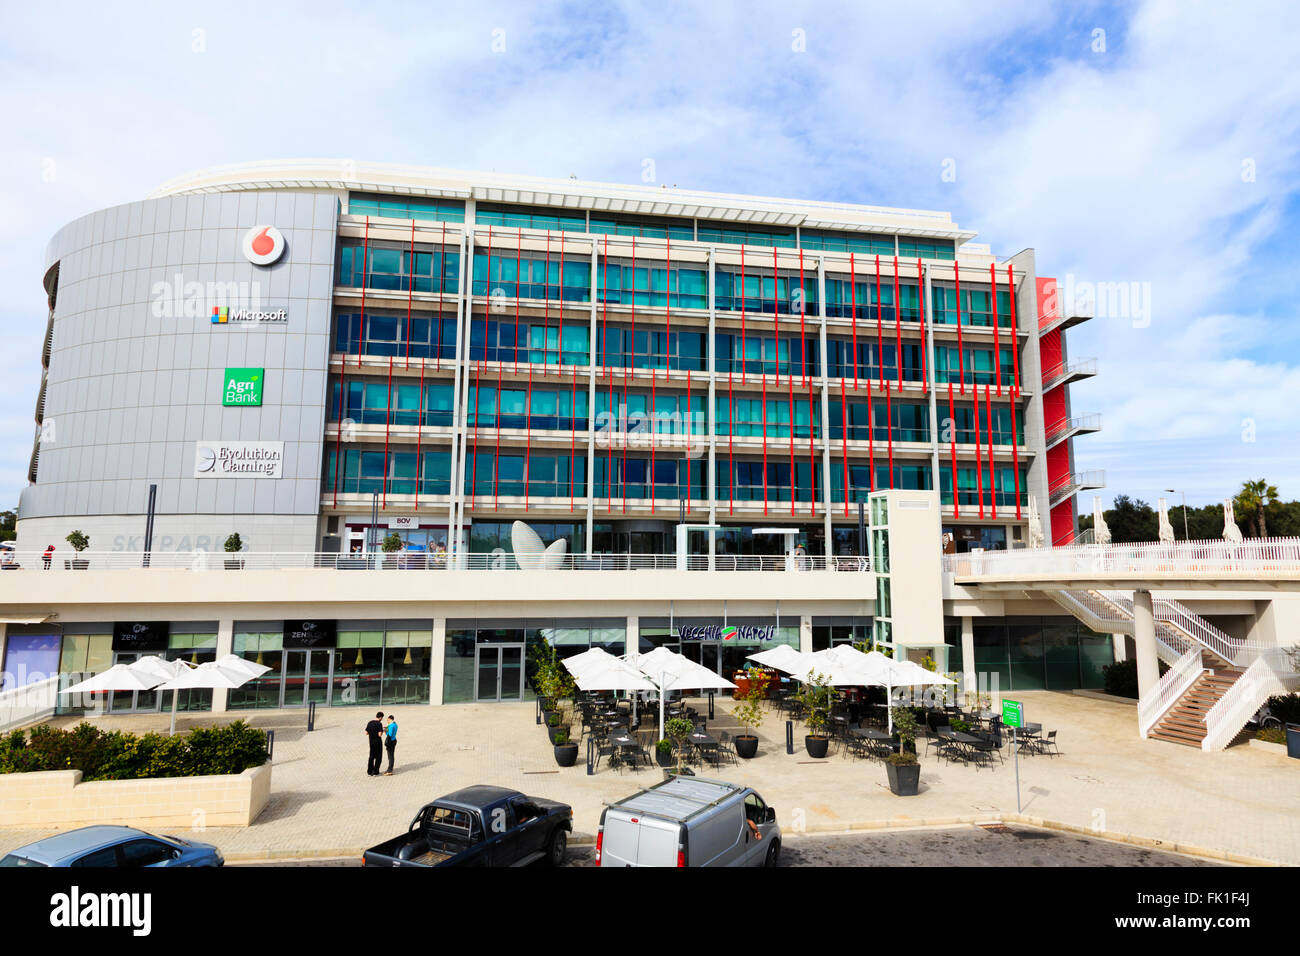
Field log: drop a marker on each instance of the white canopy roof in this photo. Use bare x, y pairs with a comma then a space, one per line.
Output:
580, 663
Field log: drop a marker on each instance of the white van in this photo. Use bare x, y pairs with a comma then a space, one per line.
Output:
689, 821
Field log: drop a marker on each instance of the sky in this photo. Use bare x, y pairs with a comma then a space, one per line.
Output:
1145, 148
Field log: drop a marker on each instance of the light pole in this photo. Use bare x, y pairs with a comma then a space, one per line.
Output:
1174, 491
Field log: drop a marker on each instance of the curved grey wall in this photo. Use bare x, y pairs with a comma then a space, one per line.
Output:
136, 373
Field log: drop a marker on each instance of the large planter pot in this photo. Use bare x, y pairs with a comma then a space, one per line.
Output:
663, 759
904, 779
566, 755
552, 731
390, 561
234, 564
816, 746
78, 564
548, 705
1293, 740
552, 718
746, 745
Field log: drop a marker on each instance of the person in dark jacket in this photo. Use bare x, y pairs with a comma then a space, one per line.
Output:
375, 731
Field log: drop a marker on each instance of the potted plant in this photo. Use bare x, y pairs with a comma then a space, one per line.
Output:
553, 731
750, 713
678, 729
817, 697
392, 543
566, 751
664, 753
234, 544
79, 544
904, 768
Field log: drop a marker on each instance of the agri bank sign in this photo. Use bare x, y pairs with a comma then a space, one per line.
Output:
238, 459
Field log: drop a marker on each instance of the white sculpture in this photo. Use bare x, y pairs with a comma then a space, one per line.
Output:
1100, 531
1166, 529
1035, 524
1231, 533
531, 554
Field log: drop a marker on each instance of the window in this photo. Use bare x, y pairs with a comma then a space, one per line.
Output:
146, 853
99, 858
406, 207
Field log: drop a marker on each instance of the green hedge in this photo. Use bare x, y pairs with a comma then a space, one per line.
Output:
117, 755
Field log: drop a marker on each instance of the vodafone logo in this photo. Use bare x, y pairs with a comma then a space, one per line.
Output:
263, 245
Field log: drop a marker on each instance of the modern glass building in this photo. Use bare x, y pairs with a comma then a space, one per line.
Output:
318, 355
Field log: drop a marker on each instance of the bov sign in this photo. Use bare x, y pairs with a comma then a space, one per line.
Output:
242, 386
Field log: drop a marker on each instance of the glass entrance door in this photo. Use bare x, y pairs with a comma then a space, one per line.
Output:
306, 677
133, 701
499, 672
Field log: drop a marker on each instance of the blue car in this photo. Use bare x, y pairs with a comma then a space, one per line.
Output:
102, 846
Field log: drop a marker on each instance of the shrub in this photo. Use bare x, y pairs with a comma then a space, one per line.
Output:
1285, 708
117, 755
1272, 735
1121, 678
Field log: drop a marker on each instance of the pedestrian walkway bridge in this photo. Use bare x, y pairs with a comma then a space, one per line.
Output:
1214, 683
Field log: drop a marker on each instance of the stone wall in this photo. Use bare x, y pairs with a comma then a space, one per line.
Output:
59, 798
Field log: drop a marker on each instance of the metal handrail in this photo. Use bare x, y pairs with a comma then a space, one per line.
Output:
65, 562
1276, 556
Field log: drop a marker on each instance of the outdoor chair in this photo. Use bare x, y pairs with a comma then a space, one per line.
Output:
604, 749
984, 750
1047, 745
943, 741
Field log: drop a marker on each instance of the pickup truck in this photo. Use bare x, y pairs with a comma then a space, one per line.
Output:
480, 826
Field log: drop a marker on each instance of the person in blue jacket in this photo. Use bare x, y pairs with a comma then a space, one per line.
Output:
390, 742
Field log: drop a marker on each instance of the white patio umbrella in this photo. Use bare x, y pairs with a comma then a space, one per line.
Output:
672, 671
613, 674
234, 662
207, 675
783, 657
117, 677
595, 657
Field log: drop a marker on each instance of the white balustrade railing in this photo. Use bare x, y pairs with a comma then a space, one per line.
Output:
1172, 686
28, 703
1273, 557
1266, 677
1198, 629
16, 563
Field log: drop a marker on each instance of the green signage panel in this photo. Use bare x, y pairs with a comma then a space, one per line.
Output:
242, 386
1013, 713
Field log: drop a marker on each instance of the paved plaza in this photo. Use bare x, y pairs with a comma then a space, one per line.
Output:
1239, 805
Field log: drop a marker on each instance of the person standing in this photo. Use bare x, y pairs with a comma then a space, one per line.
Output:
390, 742
375, 731
48, 556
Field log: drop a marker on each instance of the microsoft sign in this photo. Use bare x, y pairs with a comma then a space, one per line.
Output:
242, 386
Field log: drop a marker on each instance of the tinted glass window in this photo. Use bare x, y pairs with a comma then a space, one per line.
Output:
12, 860
145, 853
104, 857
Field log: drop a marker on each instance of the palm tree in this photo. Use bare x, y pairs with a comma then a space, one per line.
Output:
1254, 497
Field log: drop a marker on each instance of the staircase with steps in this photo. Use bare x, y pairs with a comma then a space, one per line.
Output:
1188, 643
1184, 722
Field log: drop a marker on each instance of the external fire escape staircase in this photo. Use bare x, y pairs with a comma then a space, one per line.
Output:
1214, 684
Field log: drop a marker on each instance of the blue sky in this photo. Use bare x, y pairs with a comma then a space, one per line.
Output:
1151, 144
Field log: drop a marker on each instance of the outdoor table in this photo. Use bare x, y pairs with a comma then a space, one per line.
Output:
1028, 735
880, 741
967, 742
873, 734
625, 742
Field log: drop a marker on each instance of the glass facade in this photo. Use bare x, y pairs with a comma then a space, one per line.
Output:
695, 639
397, 335
493, 660
392, 267
406, 207
1033, 653
377, 662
